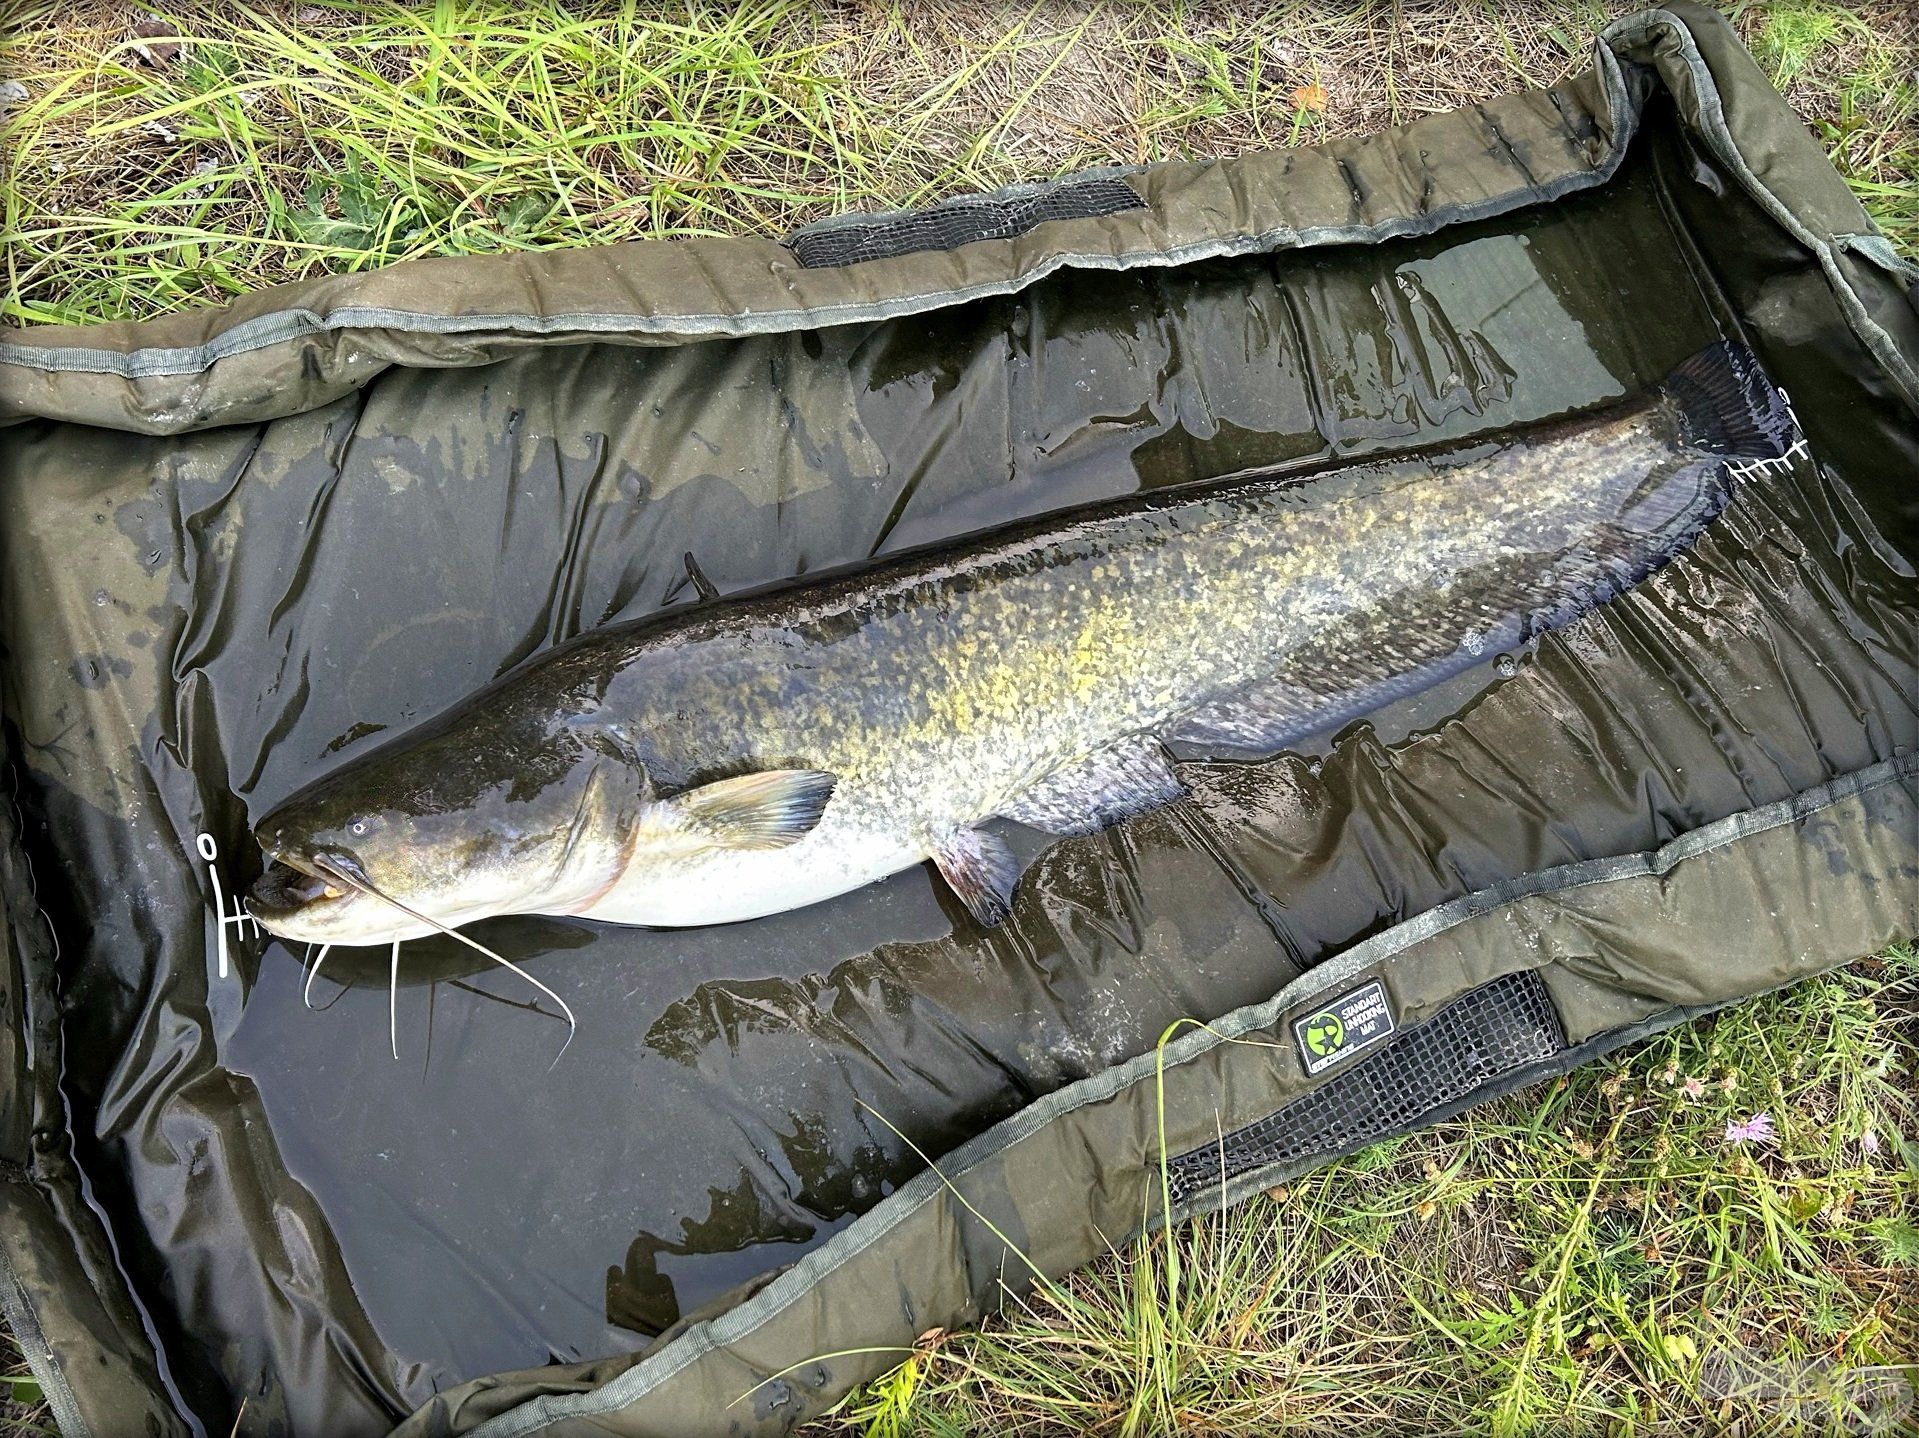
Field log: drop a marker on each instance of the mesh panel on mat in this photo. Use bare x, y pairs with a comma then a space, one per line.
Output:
960, 222
1479, 1036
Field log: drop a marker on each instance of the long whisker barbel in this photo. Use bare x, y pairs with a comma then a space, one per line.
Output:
393, 1001
335, 870
393, 992
306, 989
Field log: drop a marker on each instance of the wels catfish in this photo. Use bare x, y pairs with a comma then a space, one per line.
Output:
752, 755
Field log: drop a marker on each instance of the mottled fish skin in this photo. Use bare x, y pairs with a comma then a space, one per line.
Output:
940, 692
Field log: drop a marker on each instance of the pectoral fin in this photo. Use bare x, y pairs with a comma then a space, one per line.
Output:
765, 810
981, 870
1127, 778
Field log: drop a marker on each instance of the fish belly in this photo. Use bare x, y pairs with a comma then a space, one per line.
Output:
727, 885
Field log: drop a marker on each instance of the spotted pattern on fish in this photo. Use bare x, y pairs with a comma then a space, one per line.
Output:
1028, 674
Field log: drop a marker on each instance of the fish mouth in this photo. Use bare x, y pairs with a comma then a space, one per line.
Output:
292, 885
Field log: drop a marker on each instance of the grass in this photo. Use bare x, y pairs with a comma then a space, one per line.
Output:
1588, 1255
234, 146
23, 1411
1592, 1255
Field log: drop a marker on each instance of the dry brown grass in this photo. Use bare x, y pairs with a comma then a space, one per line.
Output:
292, 138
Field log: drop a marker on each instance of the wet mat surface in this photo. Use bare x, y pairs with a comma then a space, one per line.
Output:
256, 604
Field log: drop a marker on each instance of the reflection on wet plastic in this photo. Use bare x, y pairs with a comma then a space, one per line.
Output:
281, 599
813, 735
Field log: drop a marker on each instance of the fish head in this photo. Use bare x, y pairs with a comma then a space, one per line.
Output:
433, 833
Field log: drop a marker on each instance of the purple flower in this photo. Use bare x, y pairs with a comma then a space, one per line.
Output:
1869, 1142
1757, 1129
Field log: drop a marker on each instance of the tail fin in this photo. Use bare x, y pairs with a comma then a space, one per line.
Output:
1728, 406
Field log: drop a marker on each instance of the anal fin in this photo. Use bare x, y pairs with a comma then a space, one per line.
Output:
1276, 714
1262, 718
981, 870
1124, 779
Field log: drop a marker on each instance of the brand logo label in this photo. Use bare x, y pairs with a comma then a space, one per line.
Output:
1333, 1031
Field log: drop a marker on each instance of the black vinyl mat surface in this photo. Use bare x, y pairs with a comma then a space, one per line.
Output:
244, 607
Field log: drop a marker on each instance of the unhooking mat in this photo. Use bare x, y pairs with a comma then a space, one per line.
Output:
238, 546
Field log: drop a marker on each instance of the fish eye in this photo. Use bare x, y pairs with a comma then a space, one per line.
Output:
357, 827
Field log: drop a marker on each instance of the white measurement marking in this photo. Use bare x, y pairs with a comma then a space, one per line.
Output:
242, 922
